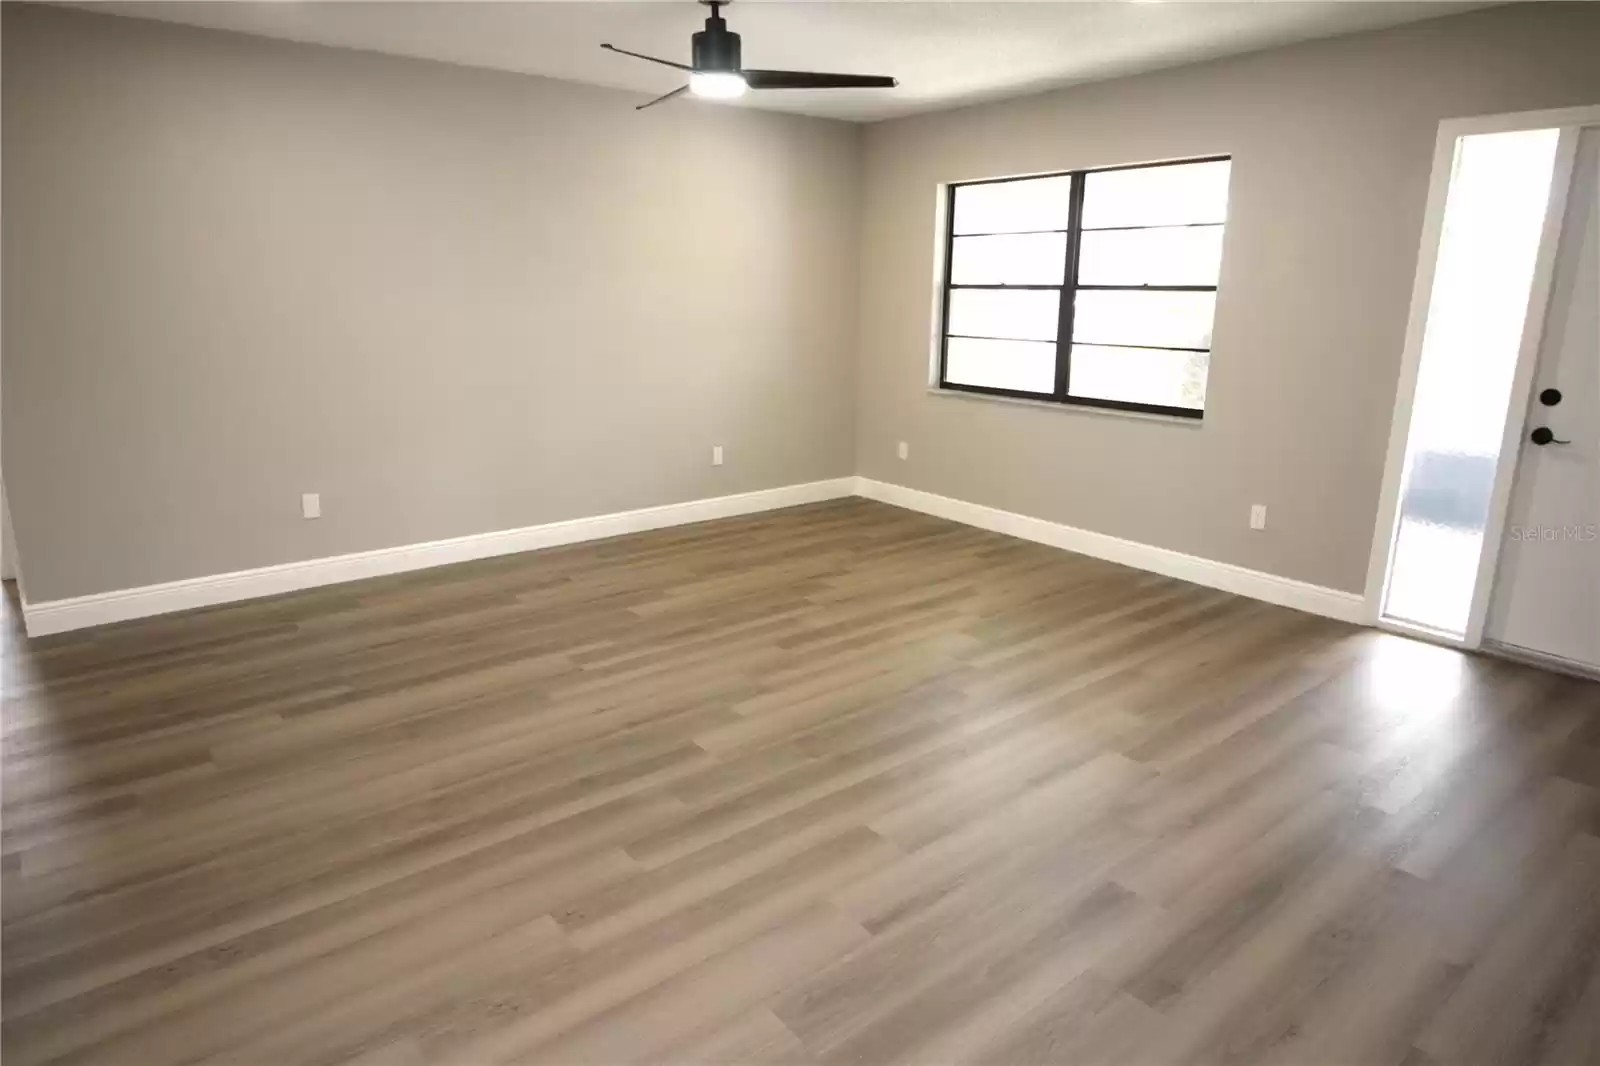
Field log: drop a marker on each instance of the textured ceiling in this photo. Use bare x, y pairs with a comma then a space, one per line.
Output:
945, 54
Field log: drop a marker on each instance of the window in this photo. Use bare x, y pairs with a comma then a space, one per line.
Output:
1095, 287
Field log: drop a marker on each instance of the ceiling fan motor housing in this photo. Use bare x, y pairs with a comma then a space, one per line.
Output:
716, 47
718, 69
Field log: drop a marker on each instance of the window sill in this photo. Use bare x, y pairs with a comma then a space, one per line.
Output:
1068, 408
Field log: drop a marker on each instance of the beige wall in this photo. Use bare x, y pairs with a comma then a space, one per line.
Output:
454, 301
1332, 143
449, 300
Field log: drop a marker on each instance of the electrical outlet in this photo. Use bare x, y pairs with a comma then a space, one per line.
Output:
311, 504
716, 455
1258, 516
903, 450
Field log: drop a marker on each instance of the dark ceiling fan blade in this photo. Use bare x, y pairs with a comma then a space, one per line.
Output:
663, 97
641, 55
810, 79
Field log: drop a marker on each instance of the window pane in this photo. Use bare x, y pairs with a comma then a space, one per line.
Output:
1013, 206
1024, 366
1182, 194
1157, 319
1017, 259
1477, 311
1023, 314
1151, 256
1139, 375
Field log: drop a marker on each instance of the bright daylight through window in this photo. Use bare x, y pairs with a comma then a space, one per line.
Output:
1094, 287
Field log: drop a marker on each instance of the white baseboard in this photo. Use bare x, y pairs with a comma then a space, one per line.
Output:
82, 612
1540, 659
1286, 592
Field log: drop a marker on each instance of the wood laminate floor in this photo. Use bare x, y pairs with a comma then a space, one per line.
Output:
839, 784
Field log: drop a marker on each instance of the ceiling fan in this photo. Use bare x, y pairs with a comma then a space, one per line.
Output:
715, 72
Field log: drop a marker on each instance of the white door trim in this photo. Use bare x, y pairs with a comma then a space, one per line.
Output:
1410, 363
1569, 120
1505, 473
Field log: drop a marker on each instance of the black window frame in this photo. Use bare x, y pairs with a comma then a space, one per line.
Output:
1069, 289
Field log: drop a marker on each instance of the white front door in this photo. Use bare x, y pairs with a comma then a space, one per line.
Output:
1547, 592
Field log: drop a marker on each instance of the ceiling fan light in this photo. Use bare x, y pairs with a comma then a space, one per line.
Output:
717, 85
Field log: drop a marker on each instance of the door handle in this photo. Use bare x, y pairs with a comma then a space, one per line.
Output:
1543, 436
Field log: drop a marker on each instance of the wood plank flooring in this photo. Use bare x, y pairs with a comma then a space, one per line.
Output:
838, 784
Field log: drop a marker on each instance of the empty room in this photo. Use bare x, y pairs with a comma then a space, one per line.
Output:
800, 532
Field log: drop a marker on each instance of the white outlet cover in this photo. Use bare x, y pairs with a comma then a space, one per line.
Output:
311, 504
903, 450
1258, 516
716, 455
